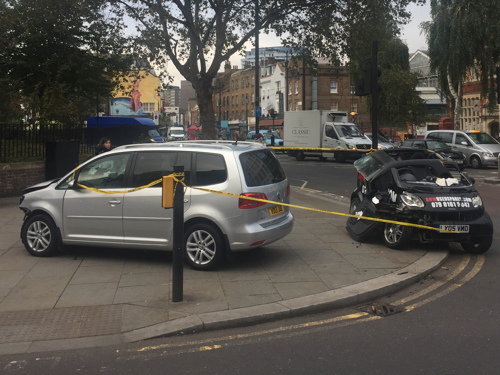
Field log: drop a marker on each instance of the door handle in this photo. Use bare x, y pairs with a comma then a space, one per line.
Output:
114, 202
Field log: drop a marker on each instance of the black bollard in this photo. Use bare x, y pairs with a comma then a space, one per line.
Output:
178, 237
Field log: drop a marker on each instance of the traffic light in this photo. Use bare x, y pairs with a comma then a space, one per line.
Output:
364, 85
497, 79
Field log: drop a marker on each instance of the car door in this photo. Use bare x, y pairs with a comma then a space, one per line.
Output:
92, 209
146, 224
462, 144
330, 140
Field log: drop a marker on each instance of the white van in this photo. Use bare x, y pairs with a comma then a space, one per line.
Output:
176, 133
479, 148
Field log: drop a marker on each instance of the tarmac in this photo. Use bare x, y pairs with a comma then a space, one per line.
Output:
89, 297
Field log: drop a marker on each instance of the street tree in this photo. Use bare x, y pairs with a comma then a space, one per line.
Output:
399, 102
463, 37
198, 36
60, 56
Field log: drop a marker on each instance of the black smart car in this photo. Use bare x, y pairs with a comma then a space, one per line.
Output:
422, 192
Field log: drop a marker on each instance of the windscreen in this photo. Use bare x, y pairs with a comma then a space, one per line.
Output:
348, 130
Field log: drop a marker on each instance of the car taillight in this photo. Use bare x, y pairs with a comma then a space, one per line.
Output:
247, 203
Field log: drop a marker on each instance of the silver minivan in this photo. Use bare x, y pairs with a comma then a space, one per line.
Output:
106, 202
479, 148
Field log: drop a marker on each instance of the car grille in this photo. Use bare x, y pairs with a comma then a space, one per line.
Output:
363, 147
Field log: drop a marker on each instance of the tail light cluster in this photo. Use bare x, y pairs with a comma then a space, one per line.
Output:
245, 204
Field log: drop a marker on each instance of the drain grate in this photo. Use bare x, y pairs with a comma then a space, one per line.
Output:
380, 309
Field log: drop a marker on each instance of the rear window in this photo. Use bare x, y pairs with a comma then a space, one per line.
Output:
261, 168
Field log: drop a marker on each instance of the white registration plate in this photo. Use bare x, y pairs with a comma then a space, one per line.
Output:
455, 228
275, 210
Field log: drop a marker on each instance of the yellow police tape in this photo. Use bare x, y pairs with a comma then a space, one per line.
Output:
367, 150
181, 181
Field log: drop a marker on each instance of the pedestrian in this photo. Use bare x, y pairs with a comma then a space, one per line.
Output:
273, 138
259, 138
103, 146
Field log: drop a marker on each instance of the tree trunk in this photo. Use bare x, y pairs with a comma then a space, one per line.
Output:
457, 96
206, 107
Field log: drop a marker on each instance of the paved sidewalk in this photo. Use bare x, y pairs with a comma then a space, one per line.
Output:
94, 296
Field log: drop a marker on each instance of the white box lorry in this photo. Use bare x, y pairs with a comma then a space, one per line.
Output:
309, 130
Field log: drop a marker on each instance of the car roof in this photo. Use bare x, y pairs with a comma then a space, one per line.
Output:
196, 145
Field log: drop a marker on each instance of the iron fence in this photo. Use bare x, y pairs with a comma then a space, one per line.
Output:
23, 142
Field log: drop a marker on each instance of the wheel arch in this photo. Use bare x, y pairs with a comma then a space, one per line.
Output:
204, 220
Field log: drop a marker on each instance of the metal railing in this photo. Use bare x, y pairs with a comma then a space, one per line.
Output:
25, 142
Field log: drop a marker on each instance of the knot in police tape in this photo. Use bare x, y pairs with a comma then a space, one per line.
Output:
180, 180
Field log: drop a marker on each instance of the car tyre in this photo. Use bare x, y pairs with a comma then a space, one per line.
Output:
204, 246
478, 245
397, 236
40, 236
340, 157
354, 205
475, 162
300, 156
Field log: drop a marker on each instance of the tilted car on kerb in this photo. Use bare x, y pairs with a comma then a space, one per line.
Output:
424, 192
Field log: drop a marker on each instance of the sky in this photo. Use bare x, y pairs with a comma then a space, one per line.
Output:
411, 35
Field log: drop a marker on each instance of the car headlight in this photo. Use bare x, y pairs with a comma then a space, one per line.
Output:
350, 145
477, 201
412, 200
488, 154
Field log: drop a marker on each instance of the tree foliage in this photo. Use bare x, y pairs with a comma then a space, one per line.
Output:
198, 36
400, 103
464, 35
59, 56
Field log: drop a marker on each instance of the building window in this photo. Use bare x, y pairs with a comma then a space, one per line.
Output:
148, 107
333, 87
354, 107
335, 106
290, 88
297, 87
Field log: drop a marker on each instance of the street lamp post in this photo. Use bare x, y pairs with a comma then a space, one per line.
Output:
246, 112
257, 68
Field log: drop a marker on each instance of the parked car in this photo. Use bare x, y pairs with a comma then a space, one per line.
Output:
480, 148
382, 142
429, 193
439, 147
278, 142
70, 211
